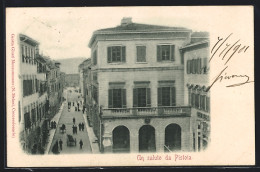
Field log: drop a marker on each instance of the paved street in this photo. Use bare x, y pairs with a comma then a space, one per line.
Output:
67, 119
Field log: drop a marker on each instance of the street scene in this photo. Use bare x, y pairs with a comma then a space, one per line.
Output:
65, 145
140, 88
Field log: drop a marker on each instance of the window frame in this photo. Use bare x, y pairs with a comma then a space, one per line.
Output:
110, 54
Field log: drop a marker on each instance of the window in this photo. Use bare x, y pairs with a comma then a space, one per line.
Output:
142, 97
194, 66
165, 52
116, 54
207, 104
166, 96
95, 57
95, 93
117, 98
22, 52
141, 53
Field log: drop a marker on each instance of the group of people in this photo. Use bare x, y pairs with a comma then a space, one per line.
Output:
76, 105
57, 147
53, 124
75, 128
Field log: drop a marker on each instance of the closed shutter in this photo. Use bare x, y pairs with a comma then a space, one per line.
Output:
205, 65
123, 98
199, 66
123, 54
110, 98
159, 96
173, 96
109, 57
188, 66
135, 97
208, 104
159, 58
148, 97
172, 52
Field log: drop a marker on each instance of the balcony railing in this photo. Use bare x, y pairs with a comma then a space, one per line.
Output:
148, 111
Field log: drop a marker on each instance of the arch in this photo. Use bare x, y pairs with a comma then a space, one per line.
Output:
172, 138
121, 139
147, 139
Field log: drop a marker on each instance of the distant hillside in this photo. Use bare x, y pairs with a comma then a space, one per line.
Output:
70, 65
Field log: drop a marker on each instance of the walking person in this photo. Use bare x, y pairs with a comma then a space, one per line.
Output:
74, 120
83, 109
82, 126
60, 142
80, 143
76, 128
73, 129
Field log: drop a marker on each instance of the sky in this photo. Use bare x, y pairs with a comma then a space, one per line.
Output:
65, 32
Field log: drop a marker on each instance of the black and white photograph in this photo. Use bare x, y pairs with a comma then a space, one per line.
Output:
112, 81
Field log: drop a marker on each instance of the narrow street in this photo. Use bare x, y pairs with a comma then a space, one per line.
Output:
67, 119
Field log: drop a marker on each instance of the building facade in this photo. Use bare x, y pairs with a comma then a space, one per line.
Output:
55, 86
33, 100
137, 89
197, 94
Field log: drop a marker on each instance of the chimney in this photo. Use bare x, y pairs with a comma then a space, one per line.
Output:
126, 20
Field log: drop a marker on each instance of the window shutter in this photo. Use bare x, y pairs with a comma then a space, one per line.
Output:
123, 54
208, 104
109, 57
173, 96
159, 96
204, 65
193, 66
123, 98
148, 97
172, 52
159, 58
188, 66
200, 65
135, 98
110, 98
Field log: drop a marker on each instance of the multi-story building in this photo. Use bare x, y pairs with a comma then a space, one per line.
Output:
33, 100
83, 68
55, 86
197, 94
137, 80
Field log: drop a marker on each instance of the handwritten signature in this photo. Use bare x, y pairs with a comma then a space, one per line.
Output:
225, 50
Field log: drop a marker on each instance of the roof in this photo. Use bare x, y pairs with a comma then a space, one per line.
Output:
39, 58
137, 28
196, 44
28, 40
200, 34
141, 27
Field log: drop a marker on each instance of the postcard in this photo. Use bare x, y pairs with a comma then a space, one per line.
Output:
130, 86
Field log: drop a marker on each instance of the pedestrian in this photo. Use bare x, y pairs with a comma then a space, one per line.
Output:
75, 108
73, 129
74, 120
54, 124
82, 126
55, 148
80, 143
83, 109
60, 142
76, 128
73, 103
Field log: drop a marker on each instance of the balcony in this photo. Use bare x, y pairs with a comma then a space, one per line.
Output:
178, 111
